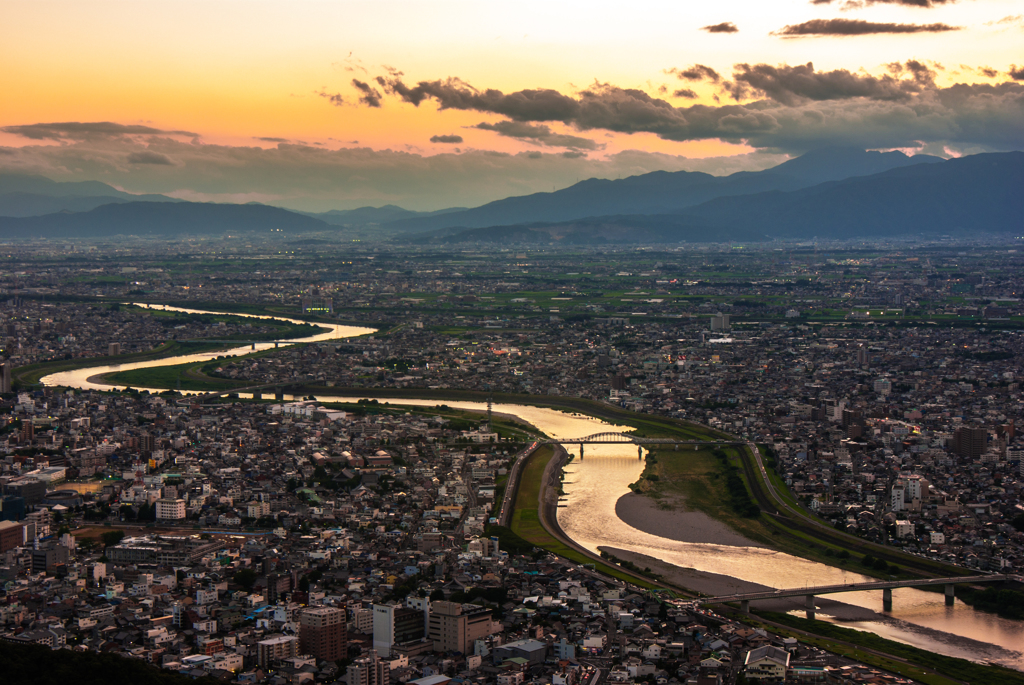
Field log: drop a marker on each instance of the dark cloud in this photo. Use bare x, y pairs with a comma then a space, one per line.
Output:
269, 139
791, 85
988, 71
687, 93
852, 4
370, 96
453, 93
698, 72
148, 157
445, 139
573, 154
724, 27
336, 99
1016, 73
76, 130
856, 27
802, 109
538, 134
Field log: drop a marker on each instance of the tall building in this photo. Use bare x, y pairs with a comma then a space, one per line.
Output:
970, 441
395, 625
455, 627
323, 633
368, 670
720, 322
7, 377
11, 535
274, 649
170, 509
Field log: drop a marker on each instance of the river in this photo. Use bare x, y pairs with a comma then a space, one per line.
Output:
594, 486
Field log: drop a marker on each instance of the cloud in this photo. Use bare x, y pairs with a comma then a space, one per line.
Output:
453, 93
698, 72
1012, 19
856, 27
271, 139
538, 134
445, 139
336, 99
907, 3
794, 84
1016, 73
370, 97
687, 93
801, 109
724, 27
147, 157
77, 130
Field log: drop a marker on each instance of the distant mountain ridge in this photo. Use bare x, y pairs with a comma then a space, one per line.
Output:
24, 195
663, 192
373, 216
161, 218
831, 193
979, 194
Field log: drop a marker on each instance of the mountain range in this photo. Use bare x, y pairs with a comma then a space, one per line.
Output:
829, 193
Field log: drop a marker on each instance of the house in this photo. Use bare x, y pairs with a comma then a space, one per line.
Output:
766, 663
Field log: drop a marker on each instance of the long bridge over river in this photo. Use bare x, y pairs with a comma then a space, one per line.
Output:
886, 586
610, 438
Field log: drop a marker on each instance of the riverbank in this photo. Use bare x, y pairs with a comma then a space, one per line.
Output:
672, 520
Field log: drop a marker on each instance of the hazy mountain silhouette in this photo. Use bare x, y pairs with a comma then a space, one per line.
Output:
373, 216
161, 218
28, 195
662, 192
979, 194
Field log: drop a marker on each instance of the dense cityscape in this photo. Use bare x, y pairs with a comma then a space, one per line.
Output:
286, 540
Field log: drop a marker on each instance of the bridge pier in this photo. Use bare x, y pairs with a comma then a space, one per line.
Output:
581, 451
809, 607
639, 452
278, 395
254, 346
275, 345
950, 597
745, 606
887, 599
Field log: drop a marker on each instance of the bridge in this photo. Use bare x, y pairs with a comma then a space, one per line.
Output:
610, 438
254, 389
886, 586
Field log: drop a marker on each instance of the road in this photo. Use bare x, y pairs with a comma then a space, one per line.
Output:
512, 485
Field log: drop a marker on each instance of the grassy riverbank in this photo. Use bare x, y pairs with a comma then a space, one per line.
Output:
908, 660
31, 374
526, 518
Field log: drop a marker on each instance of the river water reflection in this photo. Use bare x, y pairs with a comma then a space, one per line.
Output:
594, 486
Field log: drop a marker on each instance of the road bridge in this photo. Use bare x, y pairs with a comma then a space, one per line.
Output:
611, 438
886, 586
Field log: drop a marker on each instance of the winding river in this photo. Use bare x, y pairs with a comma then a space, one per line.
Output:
593, 488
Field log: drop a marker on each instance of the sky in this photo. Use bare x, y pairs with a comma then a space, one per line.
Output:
427, 104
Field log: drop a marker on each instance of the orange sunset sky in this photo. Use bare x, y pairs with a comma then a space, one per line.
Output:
319, 105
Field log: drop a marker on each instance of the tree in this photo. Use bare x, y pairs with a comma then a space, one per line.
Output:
112, 537
245, 577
